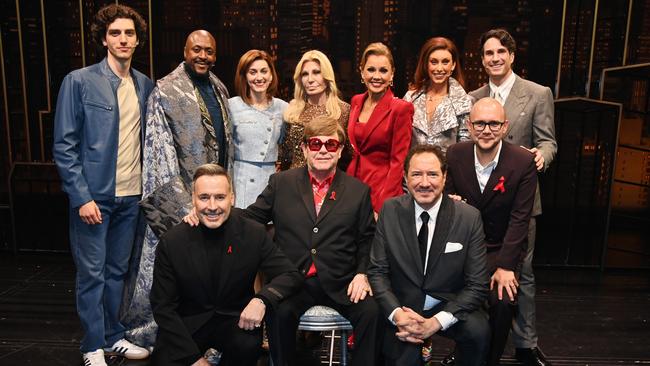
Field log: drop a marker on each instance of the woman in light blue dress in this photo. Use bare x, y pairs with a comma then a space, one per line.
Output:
258, 126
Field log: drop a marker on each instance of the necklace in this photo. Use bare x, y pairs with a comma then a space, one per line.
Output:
431, 98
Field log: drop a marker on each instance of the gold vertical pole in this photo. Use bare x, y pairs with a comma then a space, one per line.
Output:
6, 102
627, 31
151, 43
81, 32
591, 51
22, 76
559, 58
47, 83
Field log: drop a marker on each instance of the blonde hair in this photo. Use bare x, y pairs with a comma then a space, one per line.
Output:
377, 49
323, 126
297, 104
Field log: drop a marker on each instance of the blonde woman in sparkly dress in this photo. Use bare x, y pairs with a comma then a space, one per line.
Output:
315, 94
441, 104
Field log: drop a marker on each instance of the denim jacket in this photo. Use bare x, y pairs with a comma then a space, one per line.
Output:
86, 129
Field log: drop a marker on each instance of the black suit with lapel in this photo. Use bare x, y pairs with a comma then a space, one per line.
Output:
189, 291
506, 204
456, 275
337, 241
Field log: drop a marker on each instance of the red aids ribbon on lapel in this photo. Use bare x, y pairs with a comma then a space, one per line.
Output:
333, 196
229, 251
500, 187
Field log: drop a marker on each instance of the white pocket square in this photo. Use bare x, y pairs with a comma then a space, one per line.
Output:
453, 247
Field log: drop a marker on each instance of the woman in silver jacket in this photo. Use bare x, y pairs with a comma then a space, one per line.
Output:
258, 126
441, 104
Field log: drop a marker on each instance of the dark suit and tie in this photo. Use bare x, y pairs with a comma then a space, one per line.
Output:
448, 283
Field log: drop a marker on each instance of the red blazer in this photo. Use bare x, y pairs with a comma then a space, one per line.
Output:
379, 156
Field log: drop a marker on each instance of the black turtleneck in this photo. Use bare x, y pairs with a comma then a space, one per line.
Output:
202, 83
215, 249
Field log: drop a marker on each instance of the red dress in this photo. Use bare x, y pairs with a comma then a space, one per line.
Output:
379, 155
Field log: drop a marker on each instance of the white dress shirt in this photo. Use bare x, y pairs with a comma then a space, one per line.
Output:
502, 91
445, 318
483, 172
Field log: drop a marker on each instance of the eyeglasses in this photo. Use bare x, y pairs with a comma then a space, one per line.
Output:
494, 125
331, 145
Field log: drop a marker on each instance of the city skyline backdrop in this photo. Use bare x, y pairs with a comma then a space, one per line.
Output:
41, 41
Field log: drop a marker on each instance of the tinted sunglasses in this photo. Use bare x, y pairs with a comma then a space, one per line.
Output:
331, 145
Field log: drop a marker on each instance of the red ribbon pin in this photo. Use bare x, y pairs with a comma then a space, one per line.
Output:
500, 187
229, 251
333, 196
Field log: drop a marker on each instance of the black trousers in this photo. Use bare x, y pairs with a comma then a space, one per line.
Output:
283, 323
239, 346
501, 314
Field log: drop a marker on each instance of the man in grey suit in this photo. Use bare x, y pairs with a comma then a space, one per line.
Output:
529, 108
428, 266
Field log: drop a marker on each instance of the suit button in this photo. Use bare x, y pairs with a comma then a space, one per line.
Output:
268, 128
262, 153
313, 251
510, 137
252, 180
303, 271
266, 142
315, 230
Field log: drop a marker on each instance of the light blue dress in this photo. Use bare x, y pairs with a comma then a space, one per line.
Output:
256, 136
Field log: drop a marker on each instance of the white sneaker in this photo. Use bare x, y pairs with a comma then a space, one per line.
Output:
127, 349
95, 358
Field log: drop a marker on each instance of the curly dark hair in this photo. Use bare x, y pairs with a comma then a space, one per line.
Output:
107, 15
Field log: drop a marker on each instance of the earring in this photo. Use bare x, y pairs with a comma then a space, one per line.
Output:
363, 82
391, 83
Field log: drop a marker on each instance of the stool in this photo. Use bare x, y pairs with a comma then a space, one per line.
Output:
321, 319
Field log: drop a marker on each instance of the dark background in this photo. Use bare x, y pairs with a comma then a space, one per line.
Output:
563, 44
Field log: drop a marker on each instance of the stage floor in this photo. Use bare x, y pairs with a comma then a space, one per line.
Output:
584, 317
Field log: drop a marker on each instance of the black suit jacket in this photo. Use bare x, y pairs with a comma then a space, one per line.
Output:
184, 296
457, 277
337, 241
506, 214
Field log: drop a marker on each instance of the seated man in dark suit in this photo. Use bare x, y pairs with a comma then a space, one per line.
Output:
499, 179
428, 266
324, 223
203, 277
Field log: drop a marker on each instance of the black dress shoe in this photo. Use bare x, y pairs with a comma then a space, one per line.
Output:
531, 357
449, 360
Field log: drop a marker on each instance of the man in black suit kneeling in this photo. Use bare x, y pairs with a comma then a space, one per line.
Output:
203, 278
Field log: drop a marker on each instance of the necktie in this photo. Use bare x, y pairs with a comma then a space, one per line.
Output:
423, 236
497, 96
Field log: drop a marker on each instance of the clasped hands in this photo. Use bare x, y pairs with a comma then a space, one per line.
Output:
413, 327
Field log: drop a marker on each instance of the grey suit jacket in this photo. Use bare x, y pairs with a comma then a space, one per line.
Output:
459, 278
530, 109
